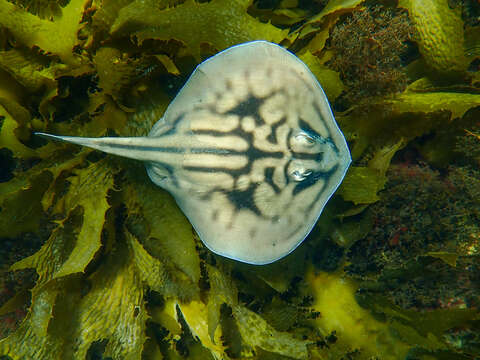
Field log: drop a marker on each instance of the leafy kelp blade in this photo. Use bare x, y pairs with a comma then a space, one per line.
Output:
8, 126
256, 332
113, 309
86, 199
221, 23
441, 36
29, 69
33, 31
169, 236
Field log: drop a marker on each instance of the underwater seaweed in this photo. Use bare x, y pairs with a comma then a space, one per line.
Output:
440, 38
368, 48
97, 262
45, 9
422, 252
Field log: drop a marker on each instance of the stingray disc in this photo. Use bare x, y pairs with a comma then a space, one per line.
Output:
250, 150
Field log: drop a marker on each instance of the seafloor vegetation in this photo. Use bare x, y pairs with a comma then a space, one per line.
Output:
98, 263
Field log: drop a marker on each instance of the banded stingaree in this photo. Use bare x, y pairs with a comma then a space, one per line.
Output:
249, 149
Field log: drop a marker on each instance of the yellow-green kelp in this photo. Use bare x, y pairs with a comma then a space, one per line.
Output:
116, 271
440, 35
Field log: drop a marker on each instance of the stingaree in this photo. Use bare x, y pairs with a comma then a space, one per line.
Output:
249, 148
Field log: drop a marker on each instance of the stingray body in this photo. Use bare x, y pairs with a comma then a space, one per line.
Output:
249, 148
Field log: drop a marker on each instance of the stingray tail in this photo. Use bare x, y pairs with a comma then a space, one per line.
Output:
129, 147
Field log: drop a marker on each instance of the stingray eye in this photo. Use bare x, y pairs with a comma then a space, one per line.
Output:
300, 175
305, 139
